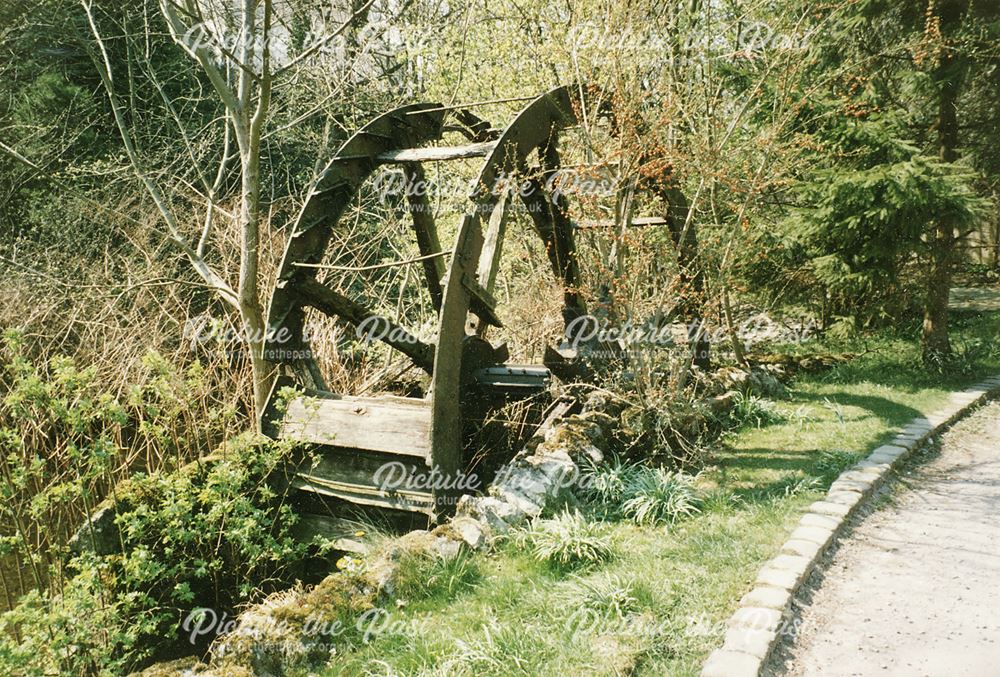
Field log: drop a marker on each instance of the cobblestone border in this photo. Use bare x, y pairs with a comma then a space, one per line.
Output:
755, 628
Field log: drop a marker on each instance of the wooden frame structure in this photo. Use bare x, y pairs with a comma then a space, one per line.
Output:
360, 435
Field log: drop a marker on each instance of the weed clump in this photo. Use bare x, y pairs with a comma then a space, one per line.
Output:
660, 496
643, 494
568, 541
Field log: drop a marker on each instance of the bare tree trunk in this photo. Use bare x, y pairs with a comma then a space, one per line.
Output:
250, 119
247, 289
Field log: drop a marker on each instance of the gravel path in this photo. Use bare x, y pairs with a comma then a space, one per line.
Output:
914, 589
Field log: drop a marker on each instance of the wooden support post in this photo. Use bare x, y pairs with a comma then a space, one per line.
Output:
489, 260
425, 230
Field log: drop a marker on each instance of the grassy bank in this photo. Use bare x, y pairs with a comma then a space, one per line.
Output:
657, 605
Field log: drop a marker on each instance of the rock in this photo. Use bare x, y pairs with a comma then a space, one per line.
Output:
556, 466
98, 535
262, 642
498, 515
294, 630
720, 405
521, 504
526, 482
445, 548
472, 532
759, 381
764, 384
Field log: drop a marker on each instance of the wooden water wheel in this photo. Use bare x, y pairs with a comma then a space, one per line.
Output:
357, 435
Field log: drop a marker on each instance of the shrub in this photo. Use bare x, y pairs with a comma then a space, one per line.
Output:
66, 438
215, 534
663, 425
80, 632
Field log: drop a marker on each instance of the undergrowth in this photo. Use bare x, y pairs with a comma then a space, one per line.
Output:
215, 535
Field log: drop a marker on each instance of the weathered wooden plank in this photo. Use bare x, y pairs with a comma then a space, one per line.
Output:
368, 468
425, 230
489, 261
481, 301
396, 425
327, 300
438, 153
361, 494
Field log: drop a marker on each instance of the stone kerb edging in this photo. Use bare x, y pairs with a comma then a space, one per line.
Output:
755, 628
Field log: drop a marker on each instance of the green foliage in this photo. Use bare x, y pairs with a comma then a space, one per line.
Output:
750, 410
499, 650
867, 213
80, 631
608, 485
568, 541
833, 462
660, 496
65, 440
608, 595
646, 495
214, 534
422, 575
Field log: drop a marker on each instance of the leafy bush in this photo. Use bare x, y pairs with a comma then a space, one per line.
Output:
657, 496
214, 534
568, 541
66, 439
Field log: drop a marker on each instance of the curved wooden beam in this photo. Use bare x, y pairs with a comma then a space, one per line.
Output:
533, 128
332, 193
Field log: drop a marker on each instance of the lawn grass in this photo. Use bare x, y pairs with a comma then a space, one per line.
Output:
659, 605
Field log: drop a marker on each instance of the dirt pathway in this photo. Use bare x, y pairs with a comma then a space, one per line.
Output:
914, 589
